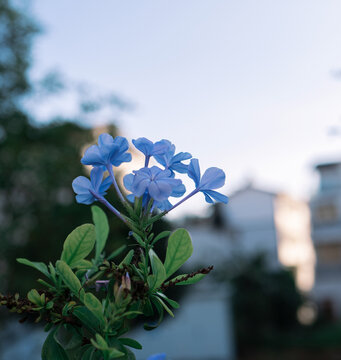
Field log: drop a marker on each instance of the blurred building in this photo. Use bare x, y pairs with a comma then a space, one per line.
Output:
258, 222
326, 219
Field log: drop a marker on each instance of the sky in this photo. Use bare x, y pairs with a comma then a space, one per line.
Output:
247, 86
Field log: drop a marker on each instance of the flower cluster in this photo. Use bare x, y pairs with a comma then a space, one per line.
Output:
152, 185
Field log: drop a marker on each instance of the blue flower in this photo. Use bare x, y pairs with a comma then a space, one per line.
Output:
213, 178
85, 188
144, 145
157, 357
177, 191
108, 151
128, 184
165, 204
164, 152
156, 182
148, 148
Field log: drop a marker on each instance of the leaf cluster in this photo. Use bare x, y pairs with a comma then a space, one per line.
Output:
89, 298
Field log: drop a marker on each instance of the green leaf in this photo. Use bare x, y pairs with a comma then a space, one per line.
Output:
189, 281
70, 279
129, 355
114, 354
171, 302
84, 265
130, 313
179, 249
158, 269
153, 325
95, 306
48, 327
68, 307
52, 272
138, 205
148, 309
139, 239
89, 353
87, 318
67, 337
52, 350
101, 228
164, 306
49, 305
36, 265
116, 252
151, 281
78, 244
162, 235
131, 342
34, 297
42, 282
127, 259
101, 344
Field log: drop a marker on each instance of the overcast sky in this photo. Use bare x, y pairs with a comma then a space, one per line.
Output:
243, 85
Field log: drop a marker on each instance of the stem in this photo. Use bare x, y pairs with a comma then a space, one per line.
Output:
147, 210
181, 201
105, 202
146, 261
146, 162
157, 217
111, 173
118, 191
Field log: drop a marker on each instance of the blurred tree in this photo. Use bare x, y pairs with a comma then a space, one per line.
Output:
264, 301
16, 33
37, 165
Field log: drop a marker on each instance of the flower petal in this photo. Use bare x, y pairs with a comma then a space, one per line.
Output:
105, 185
117, 161
163, 152
122, 143
143, 172
162, 147
81, 185
140, 185
213, 178
144, 145
178, 191
180, 168
86, 199
181, 156
158, 173
217, 196
92, 156
157, 357
160, 190
96, 177
208, 198
109, 151
194, 171
128, 181
163, 205
105, 139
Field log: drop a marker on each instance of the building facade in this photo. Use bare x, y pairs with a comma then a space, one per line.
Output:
326, 220
258, 222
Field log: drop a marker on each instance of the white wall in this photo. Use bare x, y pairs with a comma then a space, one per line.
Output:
250, 213
201, 329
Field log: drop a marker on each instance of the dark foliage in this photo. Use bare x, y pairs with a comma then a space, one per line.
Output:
264, 301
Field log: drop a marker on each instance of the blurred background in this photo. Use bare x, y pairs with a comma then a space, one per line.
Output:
252, 87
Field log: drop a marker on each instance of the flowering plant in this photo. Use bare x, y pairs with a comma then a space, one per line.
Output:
87, 303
